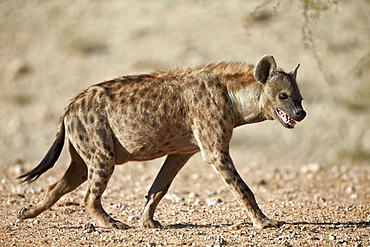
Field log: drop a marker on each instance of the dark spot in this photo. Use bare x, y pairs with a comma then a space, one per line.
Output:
224, 168
81, 137
207, 103
102, 156
83, 103
101, 165
239, 180
131, 100
85, 118
106, 147
228, 181
94, 191
98, 184
101, 133
112, 96
245, 191
93, 150
111, 154
153, 124
165, 107
142, 93
146, 105
92, 120
218, 86
80, 126
88, 156
102, 174
89, 105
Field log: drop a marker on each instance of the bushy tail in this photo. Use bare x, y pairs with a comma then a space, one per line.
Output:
50, 158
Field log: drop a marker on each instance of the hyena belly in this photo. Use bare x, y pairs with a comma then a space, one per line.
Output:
148, 127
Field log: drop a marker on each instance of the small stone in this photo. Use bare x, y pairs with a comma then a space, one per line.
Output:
332, 237
350, 189
192, 195
132, 217
311, 168
286, 243
213, 201
89, 228
173, 197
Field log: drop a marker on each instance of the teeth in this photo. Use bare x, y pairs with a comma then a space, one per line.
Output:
285, 118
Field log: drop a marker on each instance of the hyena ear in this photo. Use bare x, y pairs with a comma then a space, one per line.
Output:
294, 72
265, 68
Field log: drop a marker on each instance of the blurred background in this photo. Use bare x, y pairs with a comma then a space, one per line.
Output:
52, 50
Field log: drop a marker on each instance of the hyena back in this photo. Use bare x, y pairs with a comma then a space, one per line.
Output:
175, 112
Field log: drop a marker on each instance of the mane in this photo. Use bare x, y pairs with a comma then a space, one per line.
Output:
220, 69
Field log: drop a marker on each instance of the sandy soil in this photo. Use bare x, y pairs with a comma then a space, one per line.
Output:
316, 178
320, 207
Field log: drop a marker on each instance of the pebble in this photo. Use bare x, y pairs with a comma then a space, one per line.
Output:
213, 201
332, 237
173, 197
311, 168
133, 218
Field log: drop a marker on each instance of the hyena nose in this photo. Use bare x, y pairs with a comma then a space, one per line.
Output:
300, 115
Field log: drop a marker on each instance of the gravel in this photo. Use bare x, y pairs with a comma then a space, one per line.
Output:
321, 206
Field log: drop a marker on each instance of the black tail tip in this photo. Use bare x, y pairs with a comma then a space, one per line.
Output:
28, 177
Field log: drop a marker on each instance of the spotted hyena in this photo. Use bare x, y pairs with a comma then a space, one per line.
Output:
175, 112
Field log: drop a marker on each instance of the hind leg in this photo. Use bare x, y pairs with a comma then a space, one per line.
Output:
75, 175
100, 170
161, 184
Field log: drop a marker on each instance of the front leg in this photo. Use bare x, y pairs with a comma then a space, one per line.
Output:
214, 146
226, 169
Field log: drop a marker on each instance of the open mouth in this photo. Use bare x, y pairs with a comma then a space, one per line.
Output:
285, 119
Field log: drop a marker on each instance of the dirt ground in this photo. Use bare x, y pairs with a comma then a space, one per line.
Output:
315, 178
321, 206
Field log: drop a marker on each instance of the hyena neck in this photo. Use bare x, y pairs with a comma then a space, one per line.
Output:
246, 95
248, 106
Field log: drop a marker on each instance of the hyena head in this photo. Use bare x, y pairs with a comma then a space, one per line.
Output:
281, 99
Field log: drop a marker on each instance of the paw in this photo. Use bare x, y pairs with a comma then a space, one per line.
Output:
267, 223
22, 214
150, 224
116, 225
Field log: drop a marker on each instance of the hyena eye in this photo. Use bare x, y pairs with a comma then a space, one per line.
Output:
283, 96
